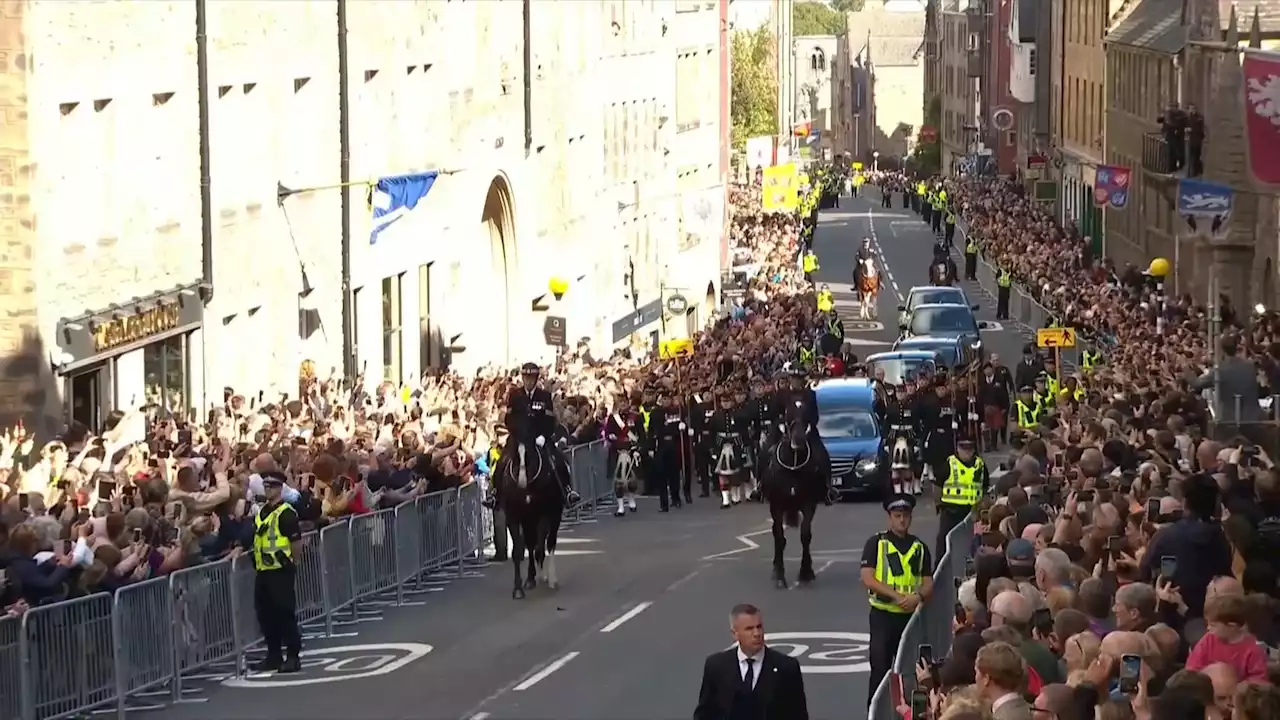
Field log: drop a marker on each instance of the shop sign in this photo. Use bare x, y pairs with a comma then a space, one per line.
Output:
132, 327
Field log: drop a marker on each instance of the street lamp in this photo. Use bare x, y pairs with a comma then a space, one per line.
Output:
1159, 270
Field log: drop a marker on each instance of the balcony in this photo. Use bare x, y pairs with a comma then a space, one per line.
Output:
1159, 158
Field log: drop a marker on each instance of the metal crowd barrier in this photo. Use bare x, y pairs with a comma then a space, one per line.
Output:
931, 623
1023, 307
141, 647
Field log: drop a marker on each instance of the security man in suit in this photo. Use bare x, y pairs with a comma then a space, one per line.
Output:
970, 256
531, 420
1004, 285
750, 681
966, 483
897, 571
277, 549
669, 429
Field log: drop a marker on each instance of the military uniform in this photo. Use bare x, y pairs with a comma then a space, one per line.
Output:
701, 412
728, 428
900, 564
669, 433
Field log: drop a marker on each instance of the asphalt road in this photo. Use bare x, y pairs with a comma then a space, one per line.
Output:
643, 599
904, 244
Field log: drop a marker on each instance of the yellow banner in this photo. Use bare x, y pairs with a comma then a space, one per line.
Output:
781, 188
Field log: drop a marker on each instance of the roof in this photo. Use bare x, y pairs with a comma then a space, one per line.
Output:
903, 355
894, 37
1268, 15
1154, 25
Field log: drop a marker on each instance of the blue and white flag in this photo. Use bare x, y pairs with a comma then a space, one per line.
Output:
394, 197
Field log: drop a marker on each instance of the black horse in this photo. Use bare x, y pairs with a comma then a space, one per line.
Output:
533, 499
796, 480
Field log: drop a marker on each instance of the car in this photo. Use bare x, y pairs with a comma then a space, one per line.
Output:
852, 436
931, 295
899, 365
946, 320
957, 354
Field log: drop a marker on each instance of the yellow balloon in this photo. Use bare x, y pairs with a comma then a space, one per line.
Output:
1159, 268
558, 286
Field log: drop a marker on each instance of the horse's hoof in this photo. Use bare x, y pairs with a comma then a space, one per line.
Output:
780, 583
530, 584
806, 576
517, 593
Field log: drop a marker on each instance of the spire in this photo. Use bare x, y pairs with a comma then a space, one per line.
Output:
1233, 28
1255, 31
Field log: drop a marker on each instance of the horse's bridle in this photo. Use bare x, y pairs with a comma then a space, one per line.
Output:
807, 452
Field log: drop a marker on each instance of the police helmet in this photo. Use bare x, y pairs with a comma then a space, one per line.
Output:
900, 501
965, 444
530, 369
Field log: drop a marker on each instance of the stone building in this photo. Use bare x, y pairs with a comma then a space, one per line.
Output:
125, 283
853, 83
957, 83
895, 43
815, 58
1147, 61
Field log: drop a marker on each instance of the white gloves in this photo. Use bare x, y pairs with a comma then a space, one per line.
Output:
541, 441
682, 426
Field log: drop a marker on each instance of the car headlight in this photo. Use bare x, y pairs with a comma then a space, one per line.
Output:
866, 467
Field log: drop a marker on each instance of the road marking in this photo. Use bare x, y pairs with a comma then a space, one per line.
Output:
625, 617
875, 245
479, 716
848, 649
748, 545
360, 661
575, 541
546, 672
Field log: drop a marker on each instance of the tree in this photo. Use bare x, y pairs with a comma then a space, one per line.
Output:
927, 156
753, 105
847, 6
815, 18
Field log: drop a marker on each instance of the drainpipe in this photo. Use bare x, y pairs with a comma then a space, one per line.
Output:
344, 178
527, 21
206, 187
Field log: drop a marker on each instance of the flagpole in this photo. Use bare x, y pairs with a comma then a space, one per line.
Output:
284, 192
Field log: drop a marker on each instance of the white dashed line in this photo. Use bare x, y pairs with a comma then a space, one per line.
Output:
875, 246
546, 672
625, 617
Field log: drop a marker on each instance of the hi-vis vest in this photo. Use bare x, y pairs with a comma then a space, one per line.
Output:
951, 218
825, 303
1090, 358
895, 570
921, 189
1028, 416
806, 356
1054, 323
1054, 387
495, 454
267, 540
1005, 279
644, 414
810, 262
962, 486
972, 247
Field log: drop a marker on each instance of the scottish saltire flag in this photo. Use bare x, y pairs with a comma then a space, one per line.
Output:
393, 197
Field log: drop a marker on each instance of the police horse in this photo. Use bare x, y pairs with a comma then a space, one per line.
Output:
795, 481
625, 484
731, 471
868, 288
533, 500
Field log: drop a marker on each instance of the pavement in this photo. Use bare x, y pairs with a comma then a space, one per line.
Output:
643, 599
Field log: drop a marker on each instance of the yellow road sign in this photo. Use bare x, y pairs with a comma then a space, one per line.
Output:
1056, 337
672, 349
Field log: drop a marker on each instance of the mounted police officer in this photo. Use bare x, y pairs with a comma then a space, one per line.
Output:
897, 571
966, 483
942, 269
531, 420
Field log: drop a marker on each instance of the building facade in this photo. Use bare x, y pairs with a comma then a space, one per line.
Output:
1078, 109
894, 32
816, 60
957, 87
126, 284
853, 83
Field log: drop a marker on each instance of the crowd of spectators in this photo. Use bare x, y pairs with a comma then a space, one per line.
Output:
1126, 566
155, 491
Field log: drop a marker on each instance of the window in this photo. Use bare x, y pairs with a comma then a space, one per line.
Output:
391, 328
164, 369
425, 330
819, 59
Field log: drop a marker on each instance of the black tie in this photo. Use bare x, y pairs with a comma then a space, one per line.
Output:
750, 679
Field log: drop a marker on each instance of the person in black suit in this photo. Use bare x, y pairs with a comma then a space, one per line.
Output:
750, 681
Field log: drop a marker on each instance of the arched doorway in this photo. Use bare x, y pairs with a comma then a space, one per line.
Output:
498, 222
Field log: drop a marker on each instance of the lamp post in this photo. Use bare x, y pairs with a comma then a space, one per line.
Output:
1158, 270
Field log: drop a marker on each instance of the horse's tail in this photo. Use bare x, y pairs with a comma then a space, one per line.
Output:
792, 518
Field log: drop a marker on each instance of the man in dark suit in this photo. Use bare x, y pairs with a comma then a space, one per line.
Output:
750, 681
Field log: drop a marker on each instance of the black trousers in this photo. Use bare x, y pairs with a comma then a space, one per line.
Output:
1002, 303
949, 232
276, 604
970, 264
935, 220
666, 461
926, 211
702, 463
886, 632
949, 516
886, 198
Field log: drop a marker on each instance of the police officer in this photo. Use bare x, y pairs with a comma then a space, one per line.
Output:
1026, 409
967, 481
1090, 359
810, 265
1004, 284
886, 193
669, 431
970, 256
949, 227
276, 546
897, 571
531, 420
939, 205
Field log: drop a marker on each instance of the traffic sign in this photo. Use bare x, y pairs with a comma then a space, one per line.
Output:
1056, 337
672, 349
554, 332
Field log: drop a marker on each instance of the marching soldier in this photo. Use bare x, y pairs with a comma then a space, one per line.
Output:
970, 256
701, 414
669, 431
965, 484
897, 571
727, 428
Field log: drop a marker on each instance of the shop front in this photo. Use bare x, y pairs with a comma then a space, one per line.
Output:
143, 352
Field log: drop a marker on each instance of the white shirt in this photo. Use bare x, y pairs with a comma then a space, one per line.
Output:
1003, 700
757, 661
